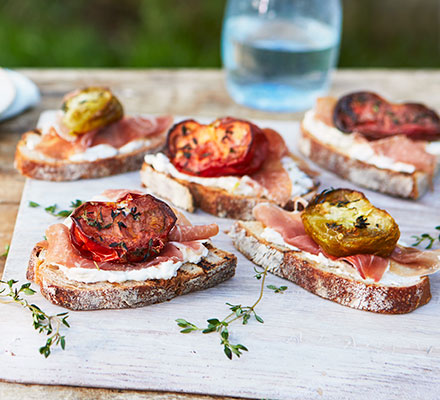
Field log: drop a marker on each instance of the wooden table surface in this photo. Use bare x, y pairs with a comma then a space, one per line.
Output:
179, 92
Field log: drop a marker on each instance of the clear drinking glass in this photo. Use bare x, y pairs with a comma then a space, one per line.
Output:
279, 54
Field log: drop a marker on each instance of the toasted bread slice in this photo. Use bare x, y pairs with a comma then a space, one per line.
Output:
213, 200
338, 285
33, 164
396, 183
215, 268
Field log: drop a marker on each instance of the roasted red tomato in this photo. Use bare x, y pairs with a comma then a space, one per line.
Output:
228, 146
376, 118
133, 229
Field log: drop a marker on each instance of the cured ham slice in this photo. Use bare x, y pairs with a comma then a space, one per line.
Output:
116, 135
187, 233
402, 149
272, 175
290, 226
275, 179
60, 250
277, 145
324, 109
183, 231
368, 265
131, 128
409, 261
117, 194
53, 146
286, 223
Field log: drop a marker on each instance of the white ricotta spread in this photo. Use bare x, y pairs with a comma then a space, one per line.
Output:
346, 144
272, 236
95, 153
49, 119
340, 267
433, 148
301, 182
164, 270
244, 185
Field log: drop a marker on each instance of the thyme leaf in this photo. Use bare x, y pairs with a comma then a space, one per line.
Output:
426, 237
6, 252
42, 322
280, 289
52, 210
361, 222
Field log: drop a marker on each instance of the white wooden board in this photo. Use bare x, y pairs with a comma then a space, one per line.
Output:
308, 348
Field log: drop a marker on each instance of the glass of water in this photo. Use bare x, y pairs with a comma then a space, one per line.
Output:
279, 54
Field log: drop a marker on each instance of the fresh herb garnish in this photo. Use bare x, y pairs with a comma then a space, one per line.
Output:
6, 252
361, 222
280, 289
43, 323
135, 215
52, 210
333, 225
426, 236
76, 203
238, 312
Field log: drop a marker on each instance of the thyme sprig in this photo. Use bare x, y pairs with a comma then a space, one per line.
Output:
238, 312
426, 237
42, 322
52, 210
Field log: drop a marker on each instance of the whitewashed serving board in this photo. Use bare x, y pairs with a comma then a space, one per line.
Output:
308, 348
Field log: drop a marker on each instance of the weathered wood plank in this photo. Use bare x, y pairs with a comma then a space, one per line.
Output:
307, 347
202, 92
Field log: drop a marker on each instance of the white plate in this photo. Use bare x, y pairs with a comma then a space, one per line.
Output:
7, 90
26, 95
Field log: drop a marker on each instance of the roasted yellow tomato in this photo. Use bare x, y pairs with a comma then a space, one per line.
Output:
90, 108
343, 222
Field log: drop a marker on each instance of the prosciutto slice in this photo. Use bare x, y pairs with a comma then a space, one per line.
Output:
324, 109
188, 233
368, 265
60, 250
288, 224
409, 261
131, 128
54, 146
272, 175
116, 135
290, 227
402, 149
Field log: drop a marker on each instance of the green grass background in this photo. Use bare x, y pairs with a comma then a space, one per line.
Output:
186, 33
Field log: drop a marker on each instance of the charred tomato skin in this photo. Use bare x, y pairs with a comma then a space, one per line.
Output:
376, 118
228, 146
344, 223
133, 229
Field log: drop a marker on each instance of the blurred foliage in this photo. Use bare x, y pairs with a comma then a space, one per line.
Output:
186, 33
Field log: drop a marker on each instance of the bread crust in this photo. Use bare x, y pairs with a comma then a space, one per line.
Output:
28, 164
216, 201
292, 265
396, 183
215, 268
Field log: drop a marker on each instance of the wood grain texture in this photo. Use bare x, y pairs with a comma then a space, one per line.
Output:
309, 344
402, 368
